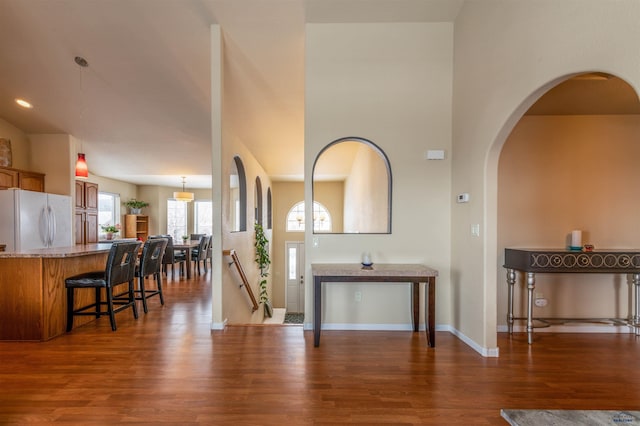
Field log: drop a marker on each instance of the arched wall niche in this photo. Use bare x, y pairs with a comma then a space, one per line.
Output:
238, 196
258, 201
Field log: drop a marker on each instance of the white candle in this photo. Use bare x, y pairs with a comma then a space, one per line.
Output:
576, 238
366, 259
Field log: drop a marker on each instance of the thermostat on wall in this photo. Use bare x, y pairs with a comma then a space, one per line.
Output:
463, 198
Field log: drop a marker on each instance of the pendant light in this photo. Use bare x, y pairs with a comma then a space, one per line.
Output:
82, 171
183, 195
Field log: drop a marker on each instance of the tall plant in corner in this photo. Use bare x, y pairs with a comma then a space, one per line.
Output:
263, 261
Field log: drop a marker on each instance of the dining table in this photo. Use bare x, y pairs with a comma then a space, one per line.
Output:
186, 246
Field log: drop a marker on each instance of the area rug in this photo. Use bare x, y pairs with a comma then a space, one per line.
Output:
570, 417
293, 318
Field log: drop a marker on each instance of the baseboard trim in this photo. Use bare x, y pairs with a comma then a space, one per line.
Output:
219, 325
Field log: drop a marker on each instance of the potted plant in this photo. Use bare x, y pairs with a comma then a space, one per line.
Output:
135, 206
185, 238
110, 230
263, 261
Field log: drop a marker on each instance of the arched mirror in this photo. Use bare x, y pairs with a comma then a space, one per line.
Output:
237, 196
352, 178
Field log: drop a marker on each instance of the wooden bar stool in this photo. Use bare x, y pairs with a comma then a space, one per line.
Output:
120, 269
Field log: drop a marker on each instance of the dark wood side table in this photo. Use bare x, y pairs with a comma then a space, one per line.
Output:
532, 261
386, 272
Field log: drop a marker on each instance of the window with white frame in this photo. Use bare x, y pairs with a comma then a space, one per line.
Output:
203, 211
321, 218
108, 211
176, 219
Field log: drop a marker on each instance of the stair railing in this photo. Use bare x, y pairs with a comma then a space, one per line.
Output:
245, 283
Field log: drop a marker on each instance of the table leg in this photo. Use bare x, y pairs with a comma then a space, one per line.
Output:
187, 263
511, 280
531, 285
635, 319
415, 305
317, 310
430, 315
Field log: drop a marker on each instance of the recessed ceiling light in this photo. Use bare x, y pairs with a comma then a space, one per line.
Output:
23, 103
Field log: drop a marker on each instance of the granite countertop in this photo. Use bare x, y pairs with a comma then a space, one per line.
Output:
71, 251
377, 269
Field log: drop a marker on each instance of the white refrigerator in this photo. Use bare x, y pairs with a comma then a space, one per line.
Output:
32, 220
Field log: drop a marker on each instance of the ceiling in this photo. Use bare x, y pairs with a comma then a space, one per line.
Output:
141, 110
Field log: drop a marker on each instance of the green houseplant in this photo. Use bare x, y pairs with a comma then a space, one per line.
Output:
263, 261
135, 205
109, 230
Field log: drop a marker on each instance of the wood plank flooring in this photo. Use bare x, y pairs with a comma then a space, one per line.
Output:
168, 367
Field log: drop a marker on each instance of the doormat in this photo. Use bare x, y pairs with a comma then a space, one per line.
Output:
293, 318
570, 417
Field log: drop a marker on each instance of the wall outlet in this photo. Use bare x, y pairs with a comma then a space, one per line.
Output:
475, 230
541, 303
358, 296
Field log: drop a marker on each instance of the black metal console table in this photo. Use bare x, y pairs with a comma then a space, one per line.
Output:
532, 261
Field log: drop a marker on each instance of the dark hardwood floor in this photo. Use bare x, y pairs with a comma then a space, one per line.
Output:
169, 367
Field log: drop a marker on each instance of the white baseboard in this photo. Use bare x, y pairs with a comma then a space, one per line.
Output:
219, 325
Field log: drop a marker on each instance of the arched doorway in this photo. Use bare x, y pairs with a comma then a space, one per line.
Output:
567, 162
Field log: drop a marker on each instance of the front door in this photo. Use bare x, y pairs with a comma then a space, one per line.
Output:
294, 293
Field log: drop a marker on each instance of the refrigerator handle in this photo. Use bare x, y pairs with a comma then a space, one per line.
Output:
52, 226
44, 226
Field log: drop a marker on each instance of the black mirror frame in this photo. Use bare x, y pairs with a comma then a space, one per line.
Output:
389, 181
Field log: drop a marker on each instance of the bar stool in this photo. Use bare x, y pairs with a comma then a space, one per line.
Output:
120, 269
150, 264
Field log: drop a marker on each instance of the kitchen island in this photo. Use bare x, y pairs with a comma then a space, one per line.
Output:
33, 301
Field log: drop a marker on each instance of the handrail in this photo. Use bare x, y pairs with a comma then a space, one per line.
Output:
243, 277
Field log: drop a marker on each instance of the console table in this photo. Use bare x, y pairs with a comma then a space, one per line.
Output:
532, 261
389, 273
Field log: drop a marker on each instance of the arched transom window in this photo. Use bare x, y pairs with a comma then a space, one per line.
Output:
296, 218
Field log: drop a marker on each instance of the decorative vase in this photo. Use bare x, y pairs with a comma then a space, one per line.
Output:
135, 211
109, 235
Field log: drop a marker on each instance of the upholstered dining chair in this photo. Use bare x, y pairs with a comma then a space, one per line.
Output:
200, 254
170, 257
120, 269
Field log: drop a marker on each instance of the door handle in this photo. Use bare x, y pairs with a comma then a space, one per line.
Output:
301, 279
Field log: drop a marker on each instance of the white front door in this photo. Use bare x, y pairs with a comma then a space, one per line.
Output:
294, 267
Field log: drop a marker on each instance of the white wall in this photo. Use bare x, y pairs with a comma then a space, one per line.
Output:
391, 84
507, 53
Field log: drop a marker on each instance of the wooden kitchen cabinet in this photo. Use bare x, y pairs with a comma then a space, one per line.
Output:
23, 179
86, 214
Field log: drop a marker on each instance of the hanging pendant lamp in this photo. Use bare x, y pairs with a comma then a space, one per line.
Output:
82, 171
183, 195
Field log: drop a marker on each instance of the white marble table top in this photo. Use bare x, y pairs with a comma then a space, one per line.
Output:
570, 417
377, 269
